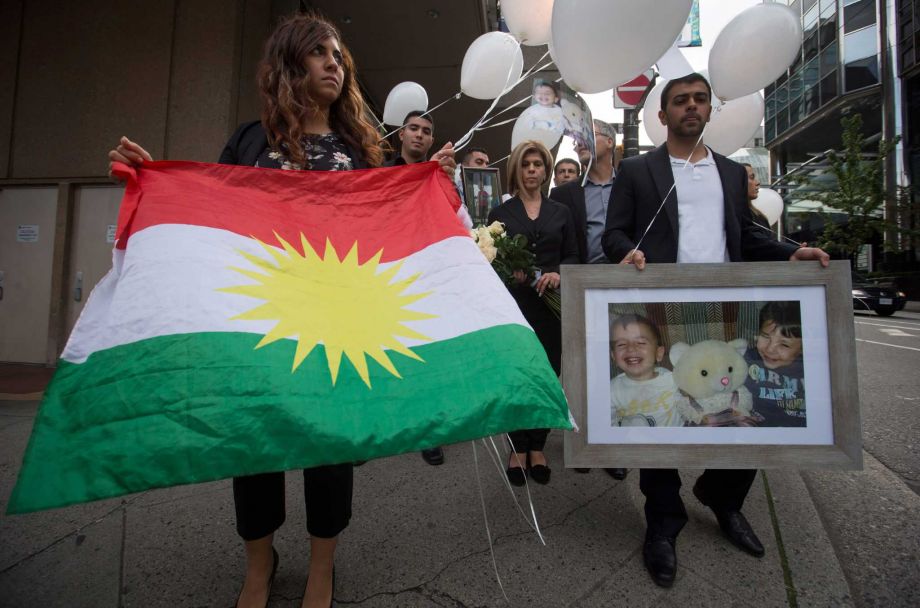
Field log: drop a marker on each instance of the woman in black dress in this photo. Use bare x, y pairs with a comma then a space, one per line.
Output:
551, 237
313, 118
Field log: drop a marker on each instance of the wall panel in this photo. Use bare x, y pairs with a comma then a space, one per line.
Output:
89, 72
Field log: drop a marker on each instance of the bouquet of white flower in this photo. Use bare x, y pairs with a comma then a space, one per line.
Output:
507, 254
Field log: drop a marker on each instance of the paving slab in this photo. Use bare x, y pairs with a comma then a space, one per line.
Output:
817, 578
83, 570
873, 521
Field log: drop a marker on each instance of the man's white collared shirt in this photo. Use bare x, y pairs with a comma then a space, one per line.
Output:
700, 210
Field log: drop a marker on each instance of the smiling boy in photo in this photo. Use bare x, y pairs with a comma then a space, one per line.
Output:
645, 393
775, 368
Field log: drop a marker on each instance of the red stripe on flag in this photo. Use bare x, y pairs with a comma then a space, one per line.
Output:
398, 209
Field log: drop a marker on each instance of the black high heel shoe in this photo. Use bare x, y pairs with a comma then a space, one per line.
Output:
517, 476
540, 473
271, 579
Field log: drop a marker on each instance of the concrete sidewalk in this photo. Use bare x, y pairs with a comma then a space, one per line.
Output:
417, 539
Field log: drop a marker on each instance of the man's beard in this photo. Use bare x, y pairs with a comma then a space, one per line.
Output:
684, 130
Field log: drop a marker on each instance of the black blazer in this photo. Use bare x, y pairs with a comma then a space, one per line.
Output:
551, 237
642, 183
249, 141
572, 195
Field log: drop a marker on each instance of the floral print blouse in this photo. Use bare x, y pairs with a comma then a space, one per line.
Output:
324, 153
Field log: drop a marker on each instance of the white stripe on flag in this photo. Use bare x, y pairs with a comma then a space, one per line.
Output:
166, 282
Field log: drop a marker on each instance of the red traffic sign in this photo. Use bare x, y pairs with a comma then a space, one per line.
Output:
629, 94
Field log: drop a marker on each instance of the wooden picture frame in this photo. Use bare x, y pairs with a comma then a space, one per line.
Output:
482, 192
593, 297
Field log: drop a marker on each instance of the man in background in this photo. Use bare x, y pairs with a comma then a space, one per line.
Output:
566, 170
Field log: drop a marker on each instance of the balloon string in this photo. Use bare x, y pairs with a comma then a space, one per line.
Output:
770, 230
425, 113
509, 108
505, 157
486, 123
468, 137
535, 526
497, 124
485, 518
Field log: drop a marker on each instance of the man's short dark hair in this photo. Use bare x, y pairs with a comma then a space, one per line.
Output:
570, 161
469, 151
421, 115
688, 79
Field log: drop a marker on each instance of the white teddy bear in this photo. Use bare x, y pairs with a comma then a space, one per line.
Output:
712, 373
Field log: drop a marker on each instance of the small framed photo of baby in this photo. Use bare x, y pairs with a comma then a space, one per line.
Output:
481, 192
730, 366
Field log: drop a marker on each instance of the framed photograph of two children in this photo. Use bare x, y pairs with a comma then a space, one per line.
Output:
707, 365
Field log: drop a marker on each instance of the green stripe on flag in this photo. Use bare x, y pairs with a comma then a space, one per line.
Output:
190, 408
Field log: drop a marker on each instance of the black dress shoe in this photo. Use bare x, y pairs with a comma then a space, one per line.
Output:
660, 559
538, 472
433, 456
739, 531
734, 525
516, 475
617, 473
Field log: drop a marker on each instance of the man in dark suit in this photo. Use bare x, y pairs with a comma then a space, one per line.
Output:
705, 217
588, 203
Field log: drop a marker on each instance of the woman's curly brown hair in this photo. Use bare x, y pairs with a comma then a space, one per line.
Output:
282, 84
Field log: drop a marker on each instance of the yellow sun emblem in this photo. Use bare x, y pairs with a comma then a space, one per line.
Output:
348, 307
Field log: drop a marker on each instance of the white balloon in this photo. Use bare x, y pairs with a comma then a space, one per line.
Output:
733, 123
599, 44
656, 131
404, 98
538, 124
529, 20
754, 49
492, 62
770, 203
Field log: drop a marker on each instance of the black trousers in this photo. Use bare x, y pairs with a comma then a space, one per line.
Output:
259, 501
549, 331
528, 440
665, 515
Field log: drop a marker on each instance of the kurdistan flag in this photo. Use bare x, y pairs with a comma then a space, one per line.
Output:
257, 320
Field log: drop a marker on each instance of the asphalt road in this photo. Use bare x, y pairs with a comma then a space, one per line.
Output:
888, 360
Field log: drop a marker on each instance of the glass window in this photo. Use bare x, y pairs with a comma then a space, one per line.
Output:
810, 41
796, 112
828, 60
828, 27
808, 4
860, 44
769, 130
769, 90
810, 100
782, 121
810, 75
828, 88
795, 86
782, 96
769, 107
861, 73
858, 14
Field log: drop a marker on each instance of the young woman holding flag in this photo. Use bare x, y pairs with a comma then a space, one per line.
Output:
313, 118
